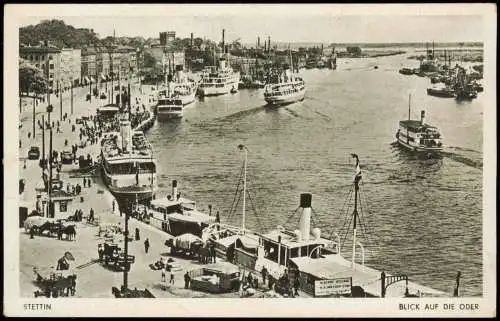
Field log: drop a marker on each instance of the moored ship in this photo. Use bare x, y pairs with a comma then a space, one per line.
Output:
169, 104
128, 165
314, 262
218, 80
185, 88
441, 91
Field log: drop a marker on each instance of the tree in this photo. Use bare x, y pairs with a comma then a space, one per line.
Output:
31, 79
355, 51
149, 60
197, 42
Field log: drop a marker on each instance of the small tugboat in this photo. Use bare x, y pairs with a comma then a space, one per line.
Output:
441, 91
418, 136
175, 215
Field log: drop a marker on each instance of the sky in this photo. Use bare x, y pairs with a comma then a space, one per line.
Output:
281, 23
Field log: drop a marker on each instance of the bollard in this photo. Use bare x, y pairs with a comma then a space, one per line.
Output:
81, 199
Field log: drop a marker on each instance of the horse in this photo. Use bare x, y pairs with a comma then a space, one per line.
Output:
47, 226
204, 254
69, 231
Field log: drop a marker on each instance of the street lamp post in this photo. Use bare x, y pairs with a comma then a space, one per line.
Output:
71, 97
33, 114
59, 88
243, 147
49, 189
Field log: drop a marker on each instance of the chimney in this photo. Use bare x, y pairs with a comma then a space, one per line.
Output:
305, 218
269, 43
258, 42
174, 189
422, 117
191, 40
223, 48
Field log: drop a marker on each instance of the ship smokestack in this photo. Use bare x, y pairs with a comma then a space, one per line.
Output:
174, 189
422, 117
191, 40
258, 42
269, 43
305, 218
126, 134
223, 45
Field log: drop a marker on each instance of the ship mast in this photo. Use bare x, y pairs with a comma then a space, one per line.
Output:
407, 127
357, 178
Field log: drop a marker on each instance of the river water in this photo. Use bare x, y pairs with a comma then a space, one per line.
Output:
419, 217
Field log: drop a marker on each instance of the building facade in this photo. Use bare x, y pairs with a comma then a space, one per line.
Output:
89, 65
103, 64
46, 58
71, 64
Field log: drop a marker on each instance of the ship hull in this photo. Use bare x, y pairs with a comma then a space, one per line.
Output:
209, 91
171, 115
419, 149
285, 100
440, 93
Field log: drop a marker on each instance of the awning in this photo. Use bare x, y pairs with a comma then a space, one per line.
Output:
87, 79
103, 77
92, 79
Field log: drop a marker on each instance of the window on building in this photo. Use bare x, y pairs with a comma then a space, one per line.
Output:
51, 66
50, 56
63, 206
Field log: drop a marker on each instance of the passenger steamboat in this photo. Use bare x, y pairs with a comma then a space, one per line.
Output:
221, 79
315, 260
184, 87
170, 104
284, 88
417, 136
128, 164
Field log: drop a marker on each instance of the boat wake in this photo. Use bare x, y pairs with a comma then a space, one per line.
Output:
240, 114
291, 112
464, 159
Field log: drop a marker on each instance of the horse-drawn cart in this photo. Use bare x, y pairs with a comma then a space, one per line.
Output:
112, 254
128, 293
54, 284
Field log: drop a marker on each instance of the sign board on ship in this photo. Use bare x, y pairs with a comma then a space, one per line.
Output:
332, 286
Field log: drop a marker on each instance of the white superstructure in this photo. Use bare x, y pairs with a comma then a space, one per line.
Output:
128, 164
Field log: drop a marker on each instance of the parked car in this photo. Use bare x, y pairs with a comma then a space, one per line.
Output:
34, 152
66, 157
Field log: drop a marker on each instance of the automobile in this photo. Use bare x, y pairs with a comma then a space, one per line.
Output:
66, 157
79, 121
34, 152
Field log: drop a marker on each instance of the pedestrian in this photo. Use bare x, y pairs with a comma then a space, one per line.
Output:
65, 142
264, 274
296, 285
146, 245
100, 250
187, 279
250, 279
91, 215
84, 182
163, 274
32, 233
19, 143
113, 204
89, 184
137, 237
172, 276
